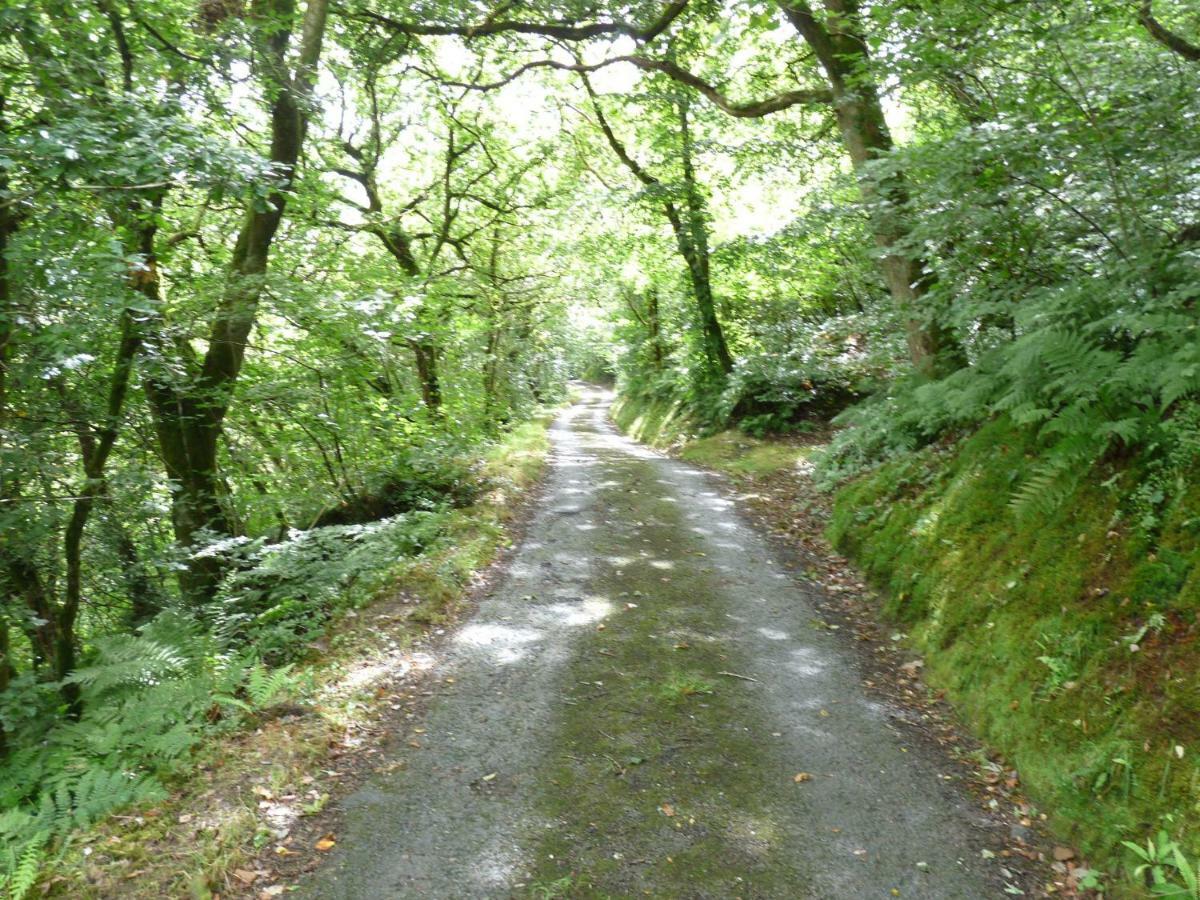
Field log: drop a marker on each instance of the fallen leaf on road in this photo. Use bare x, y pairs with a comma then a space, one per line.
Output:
801, 777
325, 843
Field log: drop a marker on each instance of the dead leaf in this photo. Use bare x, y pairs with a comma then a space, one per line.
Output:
325, 843
275, 890
1062, 854
245, 876
801, 777
667, 810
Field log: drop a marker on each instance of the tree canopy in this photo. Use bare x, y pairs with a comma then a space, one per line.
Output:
274, 273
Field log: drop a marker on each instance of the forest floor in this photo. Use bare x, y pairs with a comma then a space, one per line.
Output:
655, 700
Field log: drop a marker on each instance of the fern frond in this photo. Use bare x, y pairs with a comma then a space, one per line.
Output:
24, 875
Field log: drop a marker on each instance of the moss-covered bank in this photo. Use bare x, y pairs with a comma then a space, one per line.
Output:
1066, 639
661, 423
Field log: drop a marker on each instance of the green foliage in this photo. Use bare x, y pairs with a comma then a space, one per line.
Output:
810, 370
1164, 868
285, 592
149, 703
1052, 634
20, 872
238, 389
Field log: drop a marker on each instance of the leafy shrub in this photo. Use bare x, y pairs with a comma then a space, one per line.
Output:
148, 705
426, 474
806, 370
283, 596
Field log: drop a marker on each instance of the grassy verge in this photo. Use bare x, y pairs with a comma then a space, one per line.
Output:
659, 423
1066, 639
668, 425
239, 819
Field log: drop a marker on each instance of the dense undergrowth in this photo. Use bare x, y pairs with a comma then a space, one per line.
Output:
1067, 638
159, 701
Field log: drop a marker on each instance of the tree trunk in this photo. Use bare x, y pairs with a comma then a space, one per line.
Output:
843, 55
692, 235
145, 600
426, 355
654, 325
189, 414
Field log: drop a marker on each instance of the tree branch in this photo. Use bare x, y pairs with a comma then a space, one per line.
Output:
565, 31
1165, 36
750, 110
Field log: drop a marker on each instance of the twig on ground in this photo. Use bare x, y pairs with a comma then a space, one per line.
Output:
743, 677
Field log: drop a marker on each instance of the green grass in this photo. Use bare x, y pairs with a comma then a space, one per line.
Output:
743, 456
659, 423
1028, 624
668, 424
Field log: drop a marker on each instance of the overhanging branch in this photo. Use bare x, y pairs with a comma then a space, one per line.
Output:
1165, 36
750, 110
562, 30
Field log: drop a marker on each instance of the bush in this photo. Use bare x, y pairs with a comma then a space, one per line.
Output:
286, 592
808, 371
149, 701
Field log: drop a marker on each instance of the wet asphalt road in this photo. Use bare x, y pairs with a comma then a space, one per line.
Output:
527, 784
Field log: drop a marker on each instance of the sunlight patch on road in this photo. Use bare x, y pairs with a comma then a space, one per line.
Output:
805, 661
592, 609
506, 643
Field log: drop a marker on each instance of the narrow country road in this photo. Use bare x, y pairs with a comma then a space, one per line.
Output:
647, 706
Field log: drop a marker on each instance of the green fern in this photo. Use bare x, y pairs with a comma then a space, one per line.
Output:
24, 868
264, 686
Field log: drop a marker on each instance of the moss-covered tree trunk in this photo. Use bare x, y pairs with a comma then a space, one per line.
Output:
838, 43
691, 232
